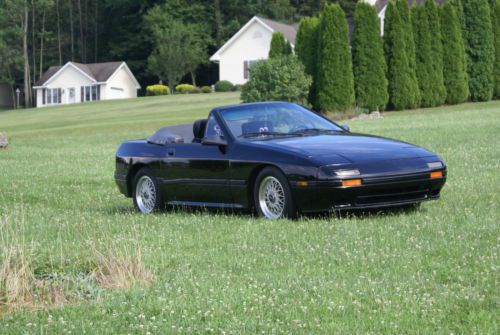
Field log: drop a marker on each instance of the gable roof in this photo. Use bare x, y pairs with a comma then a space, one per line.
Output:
381, 4
98, 72
289, 31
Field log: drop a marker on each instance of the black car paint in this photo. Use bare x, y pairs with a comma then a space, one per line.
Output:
393, 172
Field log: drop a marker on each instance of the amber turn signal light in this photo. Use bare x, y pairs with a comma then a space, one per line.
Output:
351, 182
436, 174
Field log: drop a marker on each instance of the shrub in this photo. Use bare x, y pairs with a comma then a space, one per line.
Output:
496, 30
157, 89
206, 89
237, 88
403, 85
424, 59
370, 83
282, 78
454, 64
185, 88
306, 48
479, 47
279, 46
335, 77
223, 86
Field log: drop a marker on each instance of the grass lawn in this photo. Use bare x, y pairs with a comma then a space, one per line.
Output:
433, 270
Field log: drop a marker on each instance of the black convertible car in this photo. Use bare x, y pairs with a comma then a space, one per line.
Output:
277, 158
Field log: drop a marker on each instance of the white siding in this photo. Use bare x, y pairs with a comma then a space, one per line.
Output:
68, 78
120, 86
252, 44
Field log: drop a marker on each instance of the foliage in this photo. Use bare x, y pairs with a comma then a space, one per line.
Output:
185, 88
432, 11
424, 58
496, 30
407, 29
223, 86
279, 46
306, 45
479, 48
454, 62
369, 65
178, 47
335, 82
157, 89
403, 86
206, 89
282, 78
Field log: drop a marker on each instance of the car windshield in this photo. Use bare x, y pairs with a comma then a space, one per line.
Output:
275, 119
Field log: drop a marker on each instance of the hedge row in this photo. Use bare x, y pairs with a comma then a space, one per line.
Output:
429, 55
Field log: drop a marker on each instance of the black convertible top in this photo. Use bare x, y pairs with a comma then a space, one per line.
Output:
173, 134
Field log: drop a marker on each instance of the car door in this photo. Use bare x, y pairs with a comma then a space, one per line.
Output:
199, 174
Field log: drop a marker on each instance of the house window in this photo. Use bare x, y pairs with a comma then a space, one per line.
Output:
91, 93
246, 67
52, 96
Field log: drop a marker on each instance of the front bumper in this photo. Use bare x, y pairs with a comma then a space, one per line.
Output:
121, 182
375, 192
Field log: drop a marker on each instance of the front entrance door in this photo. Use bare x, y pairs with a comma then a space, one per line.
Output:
71, 95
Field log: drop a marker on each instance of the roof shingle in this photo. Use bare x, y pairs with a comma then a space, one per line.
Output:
100, 72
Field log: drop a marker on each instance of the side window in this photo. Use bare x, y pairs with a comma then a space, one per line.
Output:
213, 128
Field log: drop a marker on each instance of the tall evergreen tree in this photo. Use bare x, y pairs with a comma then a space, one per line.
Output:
423, 49
403, 86
335, 77
479, 48
404, 13
496, 30
454, 64
439, 90
306, 44
279, 46
370, 82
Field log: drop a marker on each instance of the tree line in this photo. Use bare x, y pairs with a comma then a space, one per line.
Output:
37, 34
429, 55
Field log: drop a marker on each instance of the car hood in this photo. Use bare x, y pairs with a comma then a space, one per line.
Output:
348, 148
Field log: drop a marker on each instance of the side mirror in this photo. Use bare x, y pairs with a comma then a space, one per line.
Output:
346, 127
214, 140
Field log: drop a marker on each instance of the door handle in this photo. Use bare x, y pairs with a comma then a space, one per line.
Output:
171, 152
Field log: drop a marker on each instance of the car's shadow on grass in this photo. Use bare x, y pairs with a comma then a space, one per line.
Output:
343, 214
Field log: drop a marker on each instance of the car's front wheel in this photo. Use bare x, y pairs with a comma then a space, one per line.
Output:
272, 195
146, 195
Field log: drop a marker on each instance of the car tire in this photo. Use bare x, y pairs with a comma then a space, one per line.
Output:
146, 192
272, 195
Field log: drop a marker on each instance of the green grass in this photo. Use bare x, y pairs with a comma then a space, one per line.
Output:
433, 270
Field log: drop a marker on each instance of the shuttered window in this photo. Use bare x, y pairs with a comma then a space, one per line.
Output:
246, 67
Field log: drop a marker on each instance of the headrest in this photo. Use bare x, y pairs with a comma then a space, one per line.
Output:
256, 127
199, 128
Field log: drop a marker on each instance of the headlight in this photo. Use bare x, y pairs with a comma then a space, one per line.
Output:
347, 173
332, 171
435, 165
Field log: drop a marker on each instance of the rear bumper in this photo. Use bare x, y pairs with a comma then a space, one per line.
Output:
375, 192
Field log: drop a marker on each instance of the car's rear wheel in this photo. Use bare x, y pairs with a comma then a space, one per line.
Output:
146, 195
272, 195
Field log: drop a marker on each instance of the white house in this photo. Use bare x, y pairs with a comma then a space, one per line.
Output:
75, 82
250, 44
381, 6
